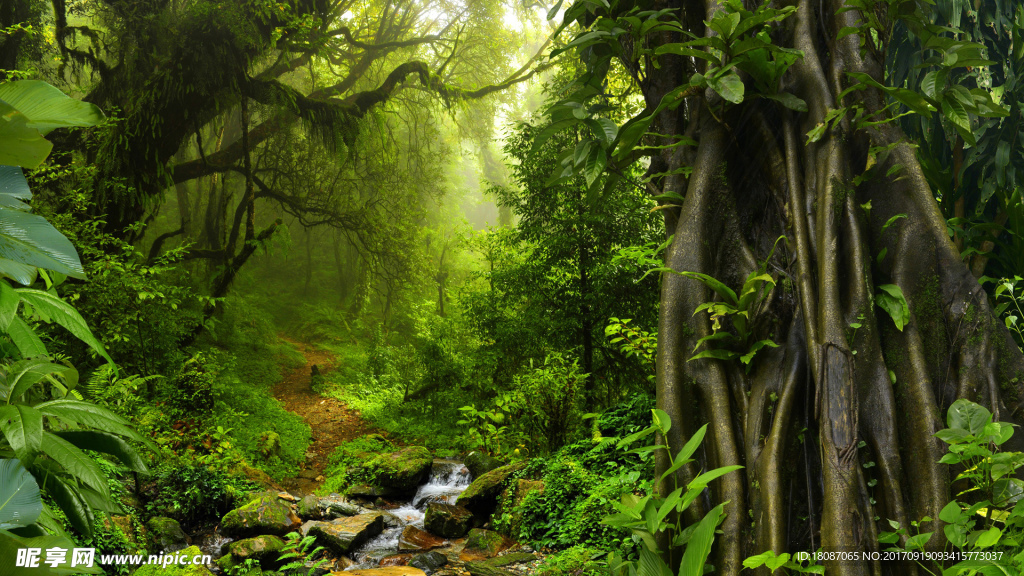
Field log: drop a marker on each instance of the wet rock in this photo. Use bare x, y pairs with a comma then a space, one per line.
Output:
309, 507
265, 513
265, 549
481, 497
480, 463
428, 561
389, 571
371, 493
336, 506
346, 534
167, 534
402, 471
447, 520
413, 538
304, 529
494, 566
482, 544
396, 559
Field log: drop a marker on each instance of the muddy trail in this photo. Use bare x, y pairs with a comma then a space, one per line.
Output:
331, 421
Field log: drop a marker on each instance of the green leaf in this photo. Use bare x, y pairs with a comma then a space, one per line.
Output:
918, 541
699, 546
30, 240
661, 420
789, 101
721, 289
966, 415
14, 188
687, 450
950, 513
108, 444
25, 374
892, 301
20, 502
64, 314
48, 108
74, 461
71, 503
715, 354
989, 538
23, 428
700, 482
25, 339
20, 144
755, 348
9, 301
730, 87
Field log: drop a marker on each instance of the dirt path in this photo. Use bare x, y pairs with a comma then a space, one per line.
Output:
331, 421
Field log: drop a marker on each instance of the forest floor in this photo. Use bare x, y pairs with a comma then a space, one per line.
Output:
331, 421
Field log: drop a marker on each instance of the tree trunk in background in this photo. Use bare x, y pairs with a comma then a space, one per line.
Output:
754, 179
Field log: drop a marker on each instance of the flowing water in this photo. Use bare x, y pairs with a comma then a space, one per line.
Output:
448, 478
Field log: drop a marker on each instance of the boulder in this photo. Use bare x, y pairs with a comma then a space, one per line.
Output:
176, 569
346, 534
400, 559
413, 538
335, 506
309, 507
167, 534
367, 492
481, 497
447, 520
389, 571
479, 463
428, 561
494, 566
265, 513
402, 471
264, 549
481, 544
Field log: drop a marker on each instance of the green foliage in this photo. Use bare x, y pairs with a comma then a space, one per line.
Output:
1008, 306
652, 514
783, 562
346, 463
298, 551
890, 299
195, 494
985, 523
578, 560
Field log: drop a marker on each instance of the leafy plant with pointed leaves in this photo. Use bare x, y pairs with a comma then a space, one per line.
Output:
652, 514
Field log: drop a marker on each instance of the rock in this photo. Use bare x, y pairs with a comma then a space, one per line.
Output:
264, 549
481, 496
480, 463
481, 544
428, 561
346, 534
344, 562
402, 471
263, 514
389, 571
336, 506
396, 559
309, 507
287, 496
447, 520
176, 569
367, 492
493, 566
167, 534
304, 529
413, 538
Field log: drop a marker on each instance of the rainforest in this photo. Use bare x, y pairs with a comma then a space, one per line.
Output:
511, 288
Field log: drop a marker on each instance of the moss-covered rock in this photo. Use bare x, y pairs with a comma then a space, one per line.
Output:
346, 534
176, 569
482, 495
428, 561
167, 534
309, 507
447, 520
264, 549
512, 500
481, 544
495, 566
265, 513
367, 492
413, 538
403, 470
479, 463
389, 571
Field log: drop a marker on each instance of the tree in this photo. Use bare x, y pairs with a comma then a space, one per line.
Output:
775, 122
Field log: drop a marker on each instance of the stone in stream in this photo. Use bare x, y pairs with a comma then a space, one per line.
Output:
367, 492
447, 520
167, 534
402, 471
482, 495
346, 534
309, 507
428, 561
264, 549
413, 538
265, 513
336, 506
400, 559
481, 544
389, 571
494, 566
480, 463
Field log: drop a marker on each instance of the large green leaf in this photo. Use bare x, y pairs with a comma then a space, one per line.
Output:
74, 461
65, 494
29, 239
23, 428
13, 188
64, 314
891, 299
25, 339
90, 415
25, 374
699, 546
20, 503
20, 144
47, 107
11, 543
9, 301
108, 444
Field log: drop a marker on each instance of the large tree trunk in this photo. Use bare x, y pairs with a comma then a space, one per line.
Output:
754, 179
